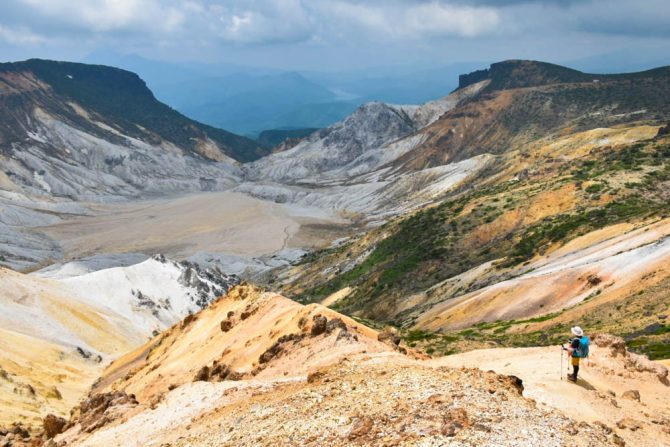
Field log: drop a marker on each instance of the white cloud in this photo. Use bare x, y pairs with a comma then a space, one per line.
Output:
437, 19
20, 36
254, 21
267, 21
109, 15
222, 27
412, 20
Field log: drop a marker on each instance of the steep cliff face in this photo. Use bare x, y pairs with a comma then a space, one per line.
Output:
115, 97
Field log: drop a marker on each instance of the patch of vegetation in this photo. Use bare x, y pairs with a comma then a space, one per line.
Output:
562, 227
421, 250
654, 350
631, 158
418, 335
596, 187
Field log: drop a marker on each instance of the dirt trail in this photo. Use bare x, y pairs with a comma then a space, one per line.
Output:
590, 399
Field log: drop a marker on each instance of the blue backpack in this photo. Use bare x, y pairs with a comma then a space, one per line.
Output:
583, 350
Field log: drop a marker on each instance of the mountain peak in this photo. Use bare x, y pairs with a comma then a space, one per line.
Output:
518, 73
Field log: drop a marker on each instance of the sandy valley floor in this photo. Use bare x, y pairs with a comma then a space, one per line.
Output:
225, 222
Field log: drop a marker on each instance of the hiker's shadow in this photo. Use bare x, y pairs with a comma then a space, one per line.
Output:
584, 384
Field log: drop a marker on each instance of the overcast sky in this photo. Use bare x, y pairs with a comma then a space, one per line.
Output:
337, 34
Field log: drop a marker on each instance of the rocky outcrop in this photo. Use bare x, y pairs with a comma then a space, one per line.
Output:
363, 403
100, 409
207, 282
226, 325
318, 325
389, 336
16, 432
616, 345
54, 393
202, 375
632, 361
641, 363
53, 425
216, 373
279, 346
629, 424
631, 394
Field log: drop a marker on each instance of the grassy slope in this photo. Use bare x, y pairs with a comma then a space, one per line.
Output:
509, 222
456, 235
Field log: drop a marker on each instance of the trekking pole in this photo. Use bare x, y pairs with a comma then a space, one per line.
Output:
561, 362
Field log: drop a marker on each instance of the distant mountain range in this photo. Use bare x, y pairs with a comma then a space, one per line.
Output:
248, 100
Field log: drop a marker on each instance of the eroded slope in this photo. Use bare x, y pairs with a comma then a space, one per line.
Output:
57, 335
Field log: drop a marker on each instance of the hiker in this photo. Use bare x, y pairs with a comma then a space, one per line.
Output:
578, 349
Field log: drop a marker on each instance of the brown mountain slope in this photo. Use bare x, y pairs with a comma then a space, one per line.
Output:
527, 100
274, 378
246, 334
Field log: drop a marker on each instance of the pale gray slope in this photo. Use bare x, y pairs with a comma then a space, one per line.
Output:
63, 161
59, 168
348, 168
373, 136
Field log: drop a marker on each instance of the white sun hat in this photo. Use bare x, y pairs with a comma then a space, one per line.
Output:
577, 331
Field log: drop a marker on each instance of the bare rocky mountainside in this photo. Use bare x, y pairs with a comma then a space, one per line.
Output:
402, 277
75, 130
72, 133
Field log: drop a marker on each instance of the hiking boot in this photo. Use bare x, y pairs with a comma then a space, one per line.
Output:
572, 378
